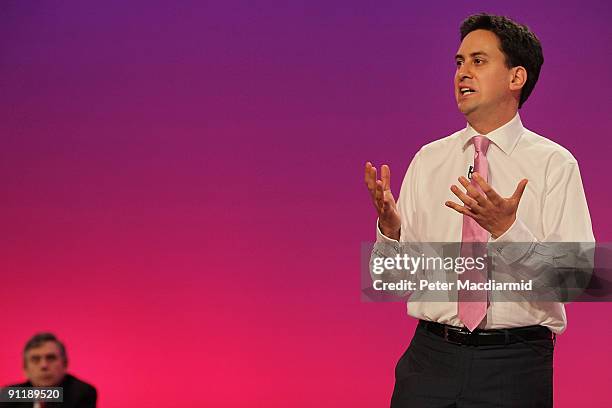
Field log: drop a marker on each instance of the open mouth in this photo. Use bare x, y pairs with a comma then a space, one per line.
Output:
466, 91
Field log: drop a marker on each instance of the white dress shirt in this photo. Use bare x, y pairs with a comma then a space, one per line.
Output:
553, 208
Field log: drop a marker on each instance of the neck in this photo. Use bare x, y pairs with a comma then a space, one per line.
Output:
487, 123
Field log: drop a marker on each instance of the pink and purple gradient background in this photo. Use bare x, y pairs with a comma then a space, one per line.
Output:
182, 197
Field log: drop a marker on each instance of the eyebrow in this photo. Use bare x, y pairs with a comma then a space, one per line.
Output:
48, 355
474, 54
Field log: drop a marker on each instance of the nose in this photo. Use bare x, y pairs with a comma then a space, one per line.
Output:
463, 72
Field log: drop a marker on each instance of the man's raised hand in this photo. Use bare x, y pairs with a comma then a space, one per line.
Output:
382, 198
491, 211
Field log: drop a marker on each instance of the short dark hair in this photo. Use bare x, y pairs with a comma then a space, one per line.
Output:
518, 43
39, 339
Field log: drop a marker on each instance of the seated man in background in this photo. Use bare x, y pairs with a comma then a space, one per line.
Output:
45, 363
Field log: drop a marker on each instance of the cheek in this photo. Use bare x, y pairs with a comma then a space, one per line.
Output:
499, 82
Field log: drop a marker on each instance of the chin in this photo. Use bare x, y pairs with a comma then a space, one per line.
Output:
45, 383
465, 110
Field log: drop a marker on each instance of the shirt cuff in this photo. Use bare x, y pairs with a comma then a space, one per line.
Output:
513, 244
380, 237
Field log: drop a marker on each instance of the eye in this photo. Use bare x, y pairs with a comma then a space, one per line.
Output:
458, 62
478, 61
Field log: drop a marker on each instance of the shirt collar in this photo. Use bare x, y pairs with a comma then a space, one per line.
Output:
505, 137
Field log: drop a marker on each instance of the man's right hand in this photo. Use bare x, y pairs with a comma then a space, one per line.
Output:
388, 216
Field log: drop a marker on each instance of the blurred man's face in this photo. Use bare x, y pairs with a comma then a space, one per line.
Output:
44, 365
482, 80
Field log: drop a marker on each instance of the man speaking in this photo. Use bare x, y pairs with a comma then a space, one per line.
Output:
494, 181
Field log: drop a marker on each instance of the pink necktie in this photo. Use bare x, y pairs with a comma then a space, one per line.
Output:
472, 306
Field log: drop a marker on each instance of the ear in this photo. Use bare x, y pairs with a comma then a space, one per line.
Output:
518, 78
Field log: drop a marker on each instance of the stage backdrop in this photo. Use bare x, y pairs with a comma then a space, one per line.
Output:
182, 192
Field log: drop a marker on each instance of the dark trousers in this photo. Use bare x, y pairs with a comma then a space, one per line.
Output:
434, 373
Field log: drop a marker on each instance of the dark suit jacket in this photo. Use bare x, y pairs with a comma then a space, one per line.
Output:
77, 394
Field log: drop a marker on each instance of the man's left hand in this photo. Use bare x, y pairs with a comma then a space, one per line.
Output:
493, 212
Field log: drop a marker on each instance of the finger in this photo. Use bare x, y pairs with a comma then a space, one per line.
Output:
385, 175
383, 203
389, 200
379, 195
487, 189
520, 189
467, 200
472, 191
366, 176
460, 209
370, 177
